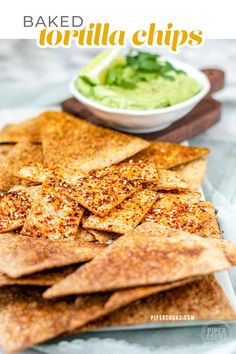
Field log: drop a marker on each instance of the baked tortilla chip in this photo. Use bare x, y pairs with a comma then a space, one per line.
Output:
4, 150
22, 255
124, 297
21, 154
99, 191
53, 215
27, 130
143, 171
14, 206
168, 181
27, 319
167, 155
184, 213
104, 237
157, 254
203, 300
90, 147
84, 235
193, 172
44, 278
126, 216
208, 227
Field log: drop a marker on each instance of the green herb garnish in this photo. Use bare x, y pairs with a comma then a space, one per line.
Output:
140, 66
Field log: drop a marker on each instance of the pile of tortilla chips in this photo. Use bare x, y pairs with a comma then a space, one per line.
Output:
101, 229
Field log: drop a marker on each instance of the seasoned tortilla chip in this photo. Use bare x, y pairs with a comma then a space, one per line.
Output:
126, 216
27, 319
143, 171
84, 235
167, 155
77, 144
44, 278
203, 299
104, 237
14, 206
124, 297
99, 191
4, 150
184, 213
27, 130
208, 226
39, 173
22, 255
168, 181
21, 154
151, 254
53, 215
193, 172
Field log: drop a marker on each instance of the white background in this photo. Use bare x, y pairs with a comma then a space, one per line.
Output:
216, 19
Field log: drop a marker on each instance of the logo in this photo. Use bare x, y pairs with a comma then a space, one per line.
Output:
216, 332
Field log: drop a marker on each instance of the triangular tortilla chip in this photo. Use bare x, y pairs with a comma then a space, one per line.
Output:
104, 237
126, 216
192, 172
208, 226
53, 215
168, 181
203, 300
29, 129
22, 255
98, 191
77, 144
21, 154
184, 213
143, 171
84, 235
44, 278
39, 173
167, 155
4, 150
14, 206
124, 297
157, 254
27, 319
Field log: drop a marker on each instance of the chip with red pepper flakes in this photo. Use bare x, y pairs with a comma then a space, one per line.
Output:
140, 171
53, 215
184, 212
79, 145
99, 191
166, 155
126, 216
14, 206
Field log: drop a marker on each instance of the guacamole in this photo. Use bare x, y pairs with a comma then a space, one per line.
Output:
138, 85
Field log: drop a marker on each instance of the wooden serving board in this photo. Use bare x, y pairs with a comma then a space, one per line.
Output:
203, 116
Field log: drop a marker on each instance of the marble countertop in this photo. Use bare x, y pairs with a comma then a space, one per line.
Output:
33, 77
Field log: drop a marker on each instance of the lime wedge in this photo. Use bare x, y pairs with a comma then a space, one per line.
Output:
95, 71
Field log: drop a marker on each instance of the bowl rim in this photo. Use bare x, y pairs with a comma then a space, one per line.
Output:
198, 76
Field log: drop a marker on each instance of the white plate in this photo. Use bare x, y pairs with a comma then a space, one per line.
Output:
19, 115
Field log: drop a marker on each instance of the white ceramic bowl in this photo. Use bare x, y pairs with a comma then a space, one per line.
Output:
147, 121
